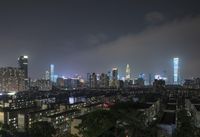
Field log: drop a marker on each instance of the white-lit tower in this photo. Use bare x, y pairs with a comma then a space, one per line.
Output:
128, 72
176, 70
52, 72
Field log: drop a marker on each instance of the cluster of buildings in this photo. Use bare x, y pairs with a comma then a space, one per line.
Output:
13, 79
64, 102
64, 110
109, 80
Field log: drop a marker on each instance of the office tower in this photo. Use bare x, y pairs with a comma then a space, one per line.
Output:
128, 72
114, 77
23, 65
88, 80
109, 75
47, 75
52, 72
94, 80
12, 79
104, 81
176, 70
114, 74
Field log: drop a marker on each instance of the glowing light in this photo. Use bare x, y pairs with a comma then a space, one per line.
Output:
25, 56
176, 70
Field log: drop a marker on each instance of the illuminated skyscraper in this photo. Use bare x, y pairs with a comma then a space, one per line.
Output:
23, 65
128, 72
176, 70
52, 72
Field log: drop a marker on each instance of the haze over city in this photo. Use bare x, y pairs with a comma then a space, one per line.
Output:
95, 36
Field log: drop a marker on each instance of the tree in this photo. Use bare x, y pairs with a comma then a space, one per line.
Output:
96, 123
129, 121
42, 129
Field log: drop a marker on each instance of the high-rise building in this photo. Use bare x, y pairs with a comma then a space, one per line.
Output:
104, 81
94, 80
176, 70
12, 79
114, 74
23, 65
128, 72
47, 75
114, 78
88, 80
52, 72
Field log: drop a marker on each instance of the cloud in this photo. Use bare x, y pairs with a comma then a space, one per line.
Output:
154, 17
151, 50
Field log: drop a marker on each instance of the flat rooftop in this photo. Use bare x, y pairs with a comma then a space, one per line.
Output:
69, 112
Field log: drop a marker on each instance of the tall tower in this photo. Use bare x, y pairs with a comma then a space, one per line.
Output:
128, 72
114, 74
93, 80
47, 75
176, 70
114, 77
23, 65
52, 72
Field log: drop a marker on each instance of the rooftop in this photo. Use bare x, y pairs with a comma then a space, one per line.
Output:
69, 112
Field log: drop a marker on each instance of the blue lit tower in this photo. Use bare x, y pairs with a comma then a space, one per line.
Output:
176, 70
52, 72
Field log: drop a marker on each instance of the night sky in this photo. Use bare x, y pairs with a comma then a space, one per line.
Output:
81, 36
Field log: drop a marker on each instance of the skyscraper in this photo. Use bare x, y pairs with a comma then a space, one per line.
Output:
88, 80
128, 72
114, 74
23, 65
176, 70
52, 72
93, 80
114, 77
104, 81
47, 75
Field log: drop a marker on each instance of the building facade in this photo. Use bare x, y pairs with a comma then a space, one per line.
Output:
12, 79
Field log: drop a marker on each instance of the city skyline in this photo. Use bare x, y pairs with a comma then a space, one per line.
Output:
80, 37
